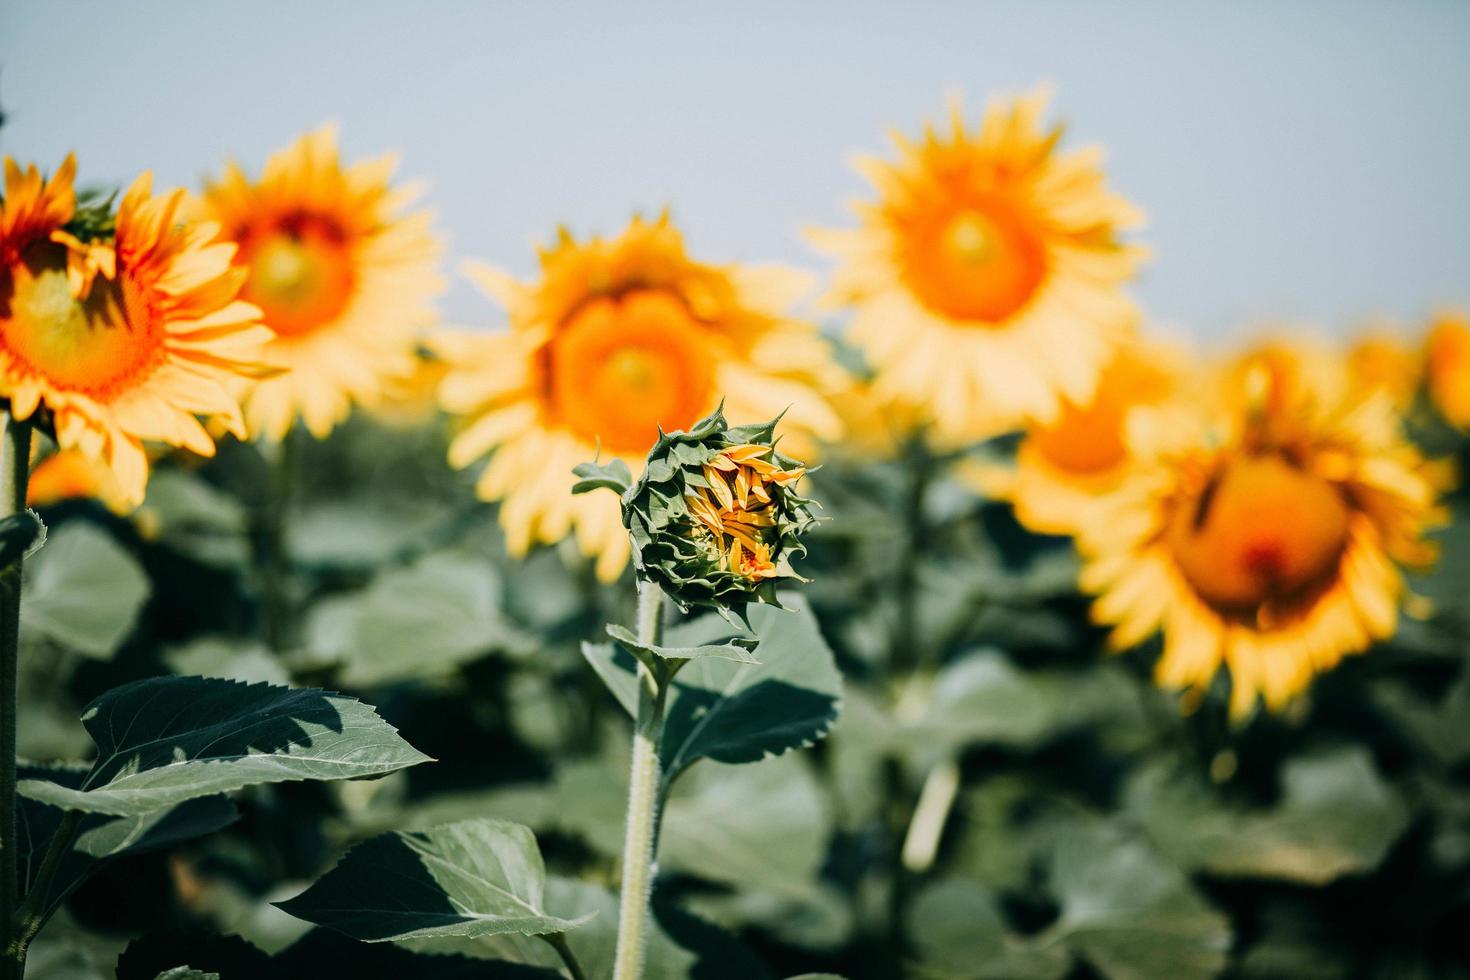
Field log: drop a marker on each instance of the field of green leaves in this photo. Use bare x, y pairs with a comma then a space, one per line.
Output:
989, 794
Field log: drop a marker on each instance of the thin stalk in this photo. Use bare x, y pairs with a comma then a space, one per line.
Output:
558, 942
639, 858
276, 569
32, 914
930, 815
15, 469
906, 649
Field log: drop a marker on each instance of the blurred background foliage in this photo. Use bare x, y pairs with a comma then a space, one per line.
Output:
1086, 827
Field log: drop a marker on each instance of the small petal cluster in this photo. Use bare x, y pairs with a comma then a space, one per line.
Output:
715, 519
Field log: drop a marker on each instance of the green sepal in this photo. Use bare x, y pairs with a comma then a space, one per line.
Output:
94, 218
614, 476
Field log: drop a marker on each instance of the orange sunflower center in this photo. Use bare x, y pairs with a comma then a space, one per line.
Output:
624, 365
301, 273
1262, 531
980, 261
94, 345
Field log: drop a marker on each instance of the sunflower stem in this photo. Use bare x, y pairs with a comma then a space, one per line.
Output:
277, 566
936, 799
558, 942
32, 914
15, 468
906, 652
640, 863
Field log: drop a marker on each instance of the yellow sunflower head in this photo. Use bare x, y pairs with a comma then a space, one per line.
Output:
616, 338
987, 278
126, 338
1065, 469
1266, 536
1447, 366
343, 275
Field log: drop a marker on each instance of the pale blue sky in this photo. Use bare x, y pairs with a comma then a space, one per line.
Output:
1303, 160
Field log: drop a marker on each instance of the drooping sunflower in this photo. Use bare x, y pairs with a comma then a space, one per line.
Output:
1267, 537
987, 280
344, 277
1447, 366
126, 337
615, 339
1065, 470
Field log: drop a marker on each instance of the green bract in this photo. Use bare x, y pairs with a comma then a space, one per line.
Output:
706, 559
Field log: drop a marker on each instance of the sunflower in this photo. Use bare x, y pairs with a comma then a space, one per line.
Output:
125, 338
342, 274
1447, 367
987, 279
1065, 469
1268, 537
617, 338
1381, 358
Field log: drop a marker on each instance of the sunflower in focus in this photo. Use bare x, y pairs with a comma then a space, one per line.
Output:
1066, 469
987, 280
128, 329
1447, 367
1268, 537
617, 338
342, 274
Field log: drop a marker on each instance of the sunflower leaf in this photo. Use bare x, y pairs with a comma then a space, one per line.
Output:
736, 711
21, 535
614, 476
737, 649
166, 740
473, 878
84, 591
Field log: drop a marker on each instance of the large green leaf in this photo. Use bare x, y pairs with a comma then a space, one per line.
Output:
1336, 817
1130, 914
196, 518
959, 931
412, 622
472, 878
84, 591
983, 697
760, 827
740, 712
165, 740
101, 836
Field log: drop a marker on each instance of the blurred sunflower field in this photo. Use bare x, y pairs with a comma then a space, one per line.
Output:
939, 616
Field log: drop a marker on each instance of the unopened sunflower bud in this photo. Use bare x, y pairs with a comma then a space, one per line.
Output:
715, 518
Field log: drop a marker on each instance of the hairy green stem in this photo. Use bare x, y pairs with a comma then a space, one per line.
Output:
639, 858
558, 942
15, 468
